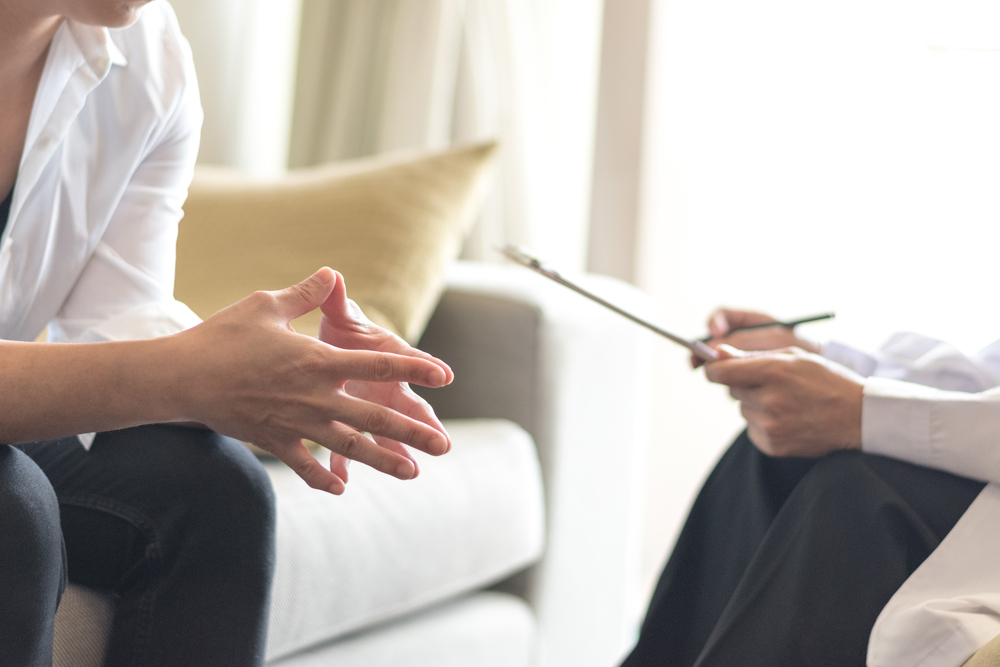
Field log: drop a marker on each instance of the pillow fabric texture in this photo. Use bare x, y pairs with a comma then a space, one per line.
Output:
987, 656
390, 225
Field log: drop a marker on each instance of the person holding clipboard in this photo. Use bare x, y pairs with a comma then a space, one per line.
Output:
854, 522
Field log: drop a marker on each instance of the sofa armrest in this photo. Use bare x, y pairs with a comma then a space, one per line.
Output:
577, 378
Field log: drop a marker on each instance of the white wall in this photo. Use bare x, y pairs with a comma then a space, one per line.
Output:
805, 157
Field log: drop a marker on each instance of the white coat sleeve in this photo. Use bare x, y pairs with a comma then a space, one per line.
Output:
927, 403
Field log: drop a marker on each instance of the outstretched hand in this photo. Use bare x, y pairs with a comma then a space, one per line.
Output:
796, 403
252, 377
343, 325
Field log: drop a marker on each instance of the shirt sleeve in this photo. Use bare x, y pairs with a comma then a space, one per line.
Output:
928, 403
125, 291
954, 431
910, 357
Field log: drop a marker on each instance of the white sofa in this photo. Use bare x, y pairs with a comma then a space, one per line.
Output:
518, 548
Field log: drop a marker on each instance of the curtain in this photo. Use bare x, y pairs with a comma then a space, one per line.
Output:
386, 75
245, 53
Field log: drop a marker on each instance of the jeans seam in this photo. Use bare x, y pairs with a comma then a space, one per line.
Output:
153, 556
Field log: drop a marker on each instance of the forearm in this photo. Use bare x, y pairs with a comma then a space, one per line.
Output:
57, 390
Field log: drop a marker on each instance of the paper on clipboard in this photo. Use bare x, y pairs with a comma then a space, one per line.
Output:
696, 348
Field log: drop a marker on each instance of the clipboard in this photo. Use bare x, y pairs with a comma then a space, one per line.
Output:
697, 348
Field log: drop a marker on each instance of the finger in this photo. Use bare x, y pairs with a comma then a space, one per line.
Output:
402, 399
740, 393
759, 439
352, 444
726, 351
405, 349
769, 338
382, 367
399, 448
339, 308
339, 465
744, 318
410, 404
307, 295
338, 305
390, 342
747, 372
380, 420
297, 457
718, 323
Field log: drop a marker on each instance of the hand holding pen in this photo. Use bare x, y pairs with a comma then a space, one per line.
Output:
748, 330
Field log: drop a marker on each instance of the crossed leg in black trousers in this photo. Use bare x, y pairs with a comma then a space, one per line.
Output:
789, 561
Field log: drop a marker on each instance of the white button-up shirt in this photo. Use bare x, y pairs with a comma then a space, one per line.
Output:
89, 248
927, 403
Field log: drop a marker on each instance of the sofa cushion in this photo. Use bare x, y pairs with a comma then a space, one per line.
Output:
390, 225
386, 548
987, 656
486, 629
83, 625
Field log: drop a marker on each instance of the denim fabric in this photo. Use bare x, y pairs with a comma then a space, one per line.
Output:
178, 523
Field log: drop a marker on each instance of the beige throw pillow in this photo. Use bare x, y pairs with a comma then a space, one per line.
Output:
391, 225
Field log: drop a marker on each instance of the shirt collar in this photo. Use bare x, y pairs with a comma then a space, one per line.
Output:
97, 48
80, 57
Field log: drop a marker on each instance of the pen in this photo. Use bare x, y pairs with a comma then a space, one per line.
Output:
787, 324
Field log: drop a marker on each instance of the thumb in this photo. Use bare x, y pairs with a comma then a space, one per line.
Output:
307, 295
335, 304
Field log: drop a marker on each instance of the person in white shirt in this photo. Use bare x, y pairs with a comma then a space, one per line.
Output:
854, 522
99, 129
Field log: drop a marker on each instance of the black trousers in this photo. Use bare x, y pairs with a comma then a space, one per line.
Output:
177, 523
789, 561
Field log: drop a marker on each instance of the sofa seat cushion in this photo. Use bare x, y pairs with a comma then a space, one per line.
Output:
386, 548
486, 629
83, 625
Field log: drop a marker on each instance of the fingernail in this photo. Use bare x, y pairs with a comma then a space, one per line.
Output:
405, 470
721, 323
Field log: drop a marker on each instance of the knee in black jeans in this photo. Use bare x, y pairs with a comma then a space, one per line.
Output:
32, 564
203, 587
179, 523
198, 495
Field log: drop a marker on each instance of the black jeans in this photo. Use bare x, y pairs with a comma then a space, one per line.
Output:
789, 561
176, 523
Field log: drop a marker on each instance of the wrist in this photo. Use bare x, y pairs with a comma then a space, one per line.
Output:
169, 369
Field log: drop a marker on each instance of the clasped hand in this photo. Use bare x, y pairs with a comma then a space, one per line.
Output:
256, 379
795, 402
